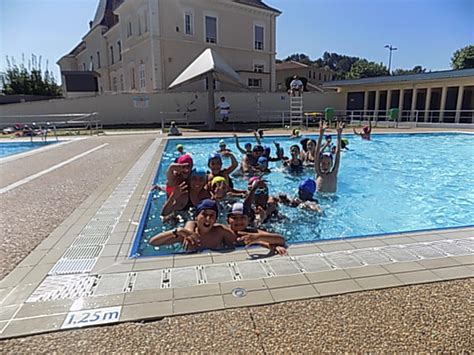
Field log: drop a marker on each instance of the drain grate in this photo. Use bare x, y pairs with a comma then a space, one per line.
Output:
86, 252
399, 253
63, 287
425, 251
371, 256
73, 266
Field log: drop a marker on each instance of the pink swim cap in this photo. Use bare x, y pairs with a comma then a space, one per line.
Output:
366, 129
253, 179
185, 159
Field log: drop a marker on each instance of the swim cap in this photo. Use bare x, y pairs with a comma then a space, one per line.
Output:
253, 179
185, 159
327, 137
308, 185
179, 146
258, 148
238, 208
206, 205
365, 129
198, 172
329, 155
267, 150
221, 142
262, 161
218, 179
213, 156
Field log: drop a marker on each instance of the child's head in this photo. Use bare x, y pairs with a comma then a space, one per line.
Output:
248, 147
222, 145
326, 162
214, 162
294, 150
198, 179
306, 189
180, 148
173, 124
267, 151
296, 132
262, 163
187, 161
365, 129
238, 219
206, 215
257, 151
333, 149
219, 187
260, 133
310, 145
328, 138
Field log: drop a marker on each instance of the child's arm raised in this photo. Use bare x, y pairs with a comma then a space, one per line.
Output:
322, 127
340, 127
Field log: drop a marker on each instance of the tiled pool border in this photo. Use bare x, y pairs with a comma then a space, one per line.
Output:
19, 317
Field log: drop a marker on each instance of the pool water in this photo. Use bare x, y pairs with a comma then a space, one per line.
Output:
10, 148
394, 183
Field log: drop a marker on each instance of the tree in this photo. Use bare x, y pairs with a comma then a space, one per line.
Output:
365, 69
339, 63
299, 57
417, 69
463, 58
19, 80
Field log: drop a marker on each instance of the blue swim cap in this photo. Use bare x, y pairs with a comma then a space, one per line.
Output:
267, 150
206, 205
308, 185
262, 161
327, 136
213, 156
198, 172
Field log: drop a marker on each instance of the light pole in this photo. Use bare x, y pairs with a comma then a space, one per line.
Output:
390, 48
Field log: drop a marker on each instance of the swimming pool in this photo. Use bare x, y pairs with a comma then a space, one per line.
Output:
10, 148
394, 183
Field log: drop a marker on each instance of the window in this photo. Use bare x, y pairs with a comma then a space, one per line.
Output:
91, 65
129, 29
309, 76
119, 45
114, 84
122, 84
98, 60
211, 29
259, 30
314, 75
207, 84
319, 76
145, 21
132, 78
259, 68
112, 61
84, 66
255, 83
324, 77
141, 76
188, 23
139, 25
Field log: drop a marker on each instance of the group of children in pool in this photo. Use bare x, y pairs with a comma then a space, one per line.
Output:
209, 192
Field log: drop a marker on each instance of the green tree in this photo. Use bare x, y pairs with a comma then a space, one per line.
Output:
463, 58
365, 69
417, 69
20, 80
299, 57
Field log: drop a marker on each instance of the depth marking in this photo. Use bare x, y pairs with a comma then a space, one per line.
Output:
46, 171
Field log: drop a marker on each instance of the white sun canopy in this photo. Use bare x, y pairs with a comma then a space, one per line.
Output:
208, 62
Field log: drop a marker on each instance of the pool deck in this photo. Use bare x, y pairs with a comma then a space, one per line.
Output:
79, 264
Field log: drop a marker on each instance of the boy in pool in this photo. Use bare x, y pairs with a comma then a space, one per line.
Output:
326, 171
328, 145
296, 133
223, 148
262, 165
220, 189
305, 198
180, 149
202, 233
197, 187
366, 131
250, 161
214, 163
238, 221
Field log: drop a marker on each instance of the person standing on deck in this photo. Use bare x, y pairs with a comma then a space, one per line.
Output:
224, 108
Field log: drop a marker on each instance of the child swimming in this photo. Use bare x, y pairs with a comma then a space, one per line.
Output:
325, 168
294, 164
305, 198
366, 131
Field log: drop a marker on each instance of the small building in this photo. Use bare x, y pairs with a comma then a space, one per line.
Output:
441, 96
143, 45
316, 76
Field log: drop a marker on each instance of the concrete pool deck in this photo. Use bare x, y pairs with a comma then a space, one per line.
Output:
82, 266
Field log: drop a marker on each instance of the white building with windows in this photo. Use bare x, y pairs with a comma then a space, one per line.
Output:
143, 45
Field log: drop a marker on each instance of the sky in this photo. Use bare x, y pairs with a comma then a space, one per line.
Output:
426, 32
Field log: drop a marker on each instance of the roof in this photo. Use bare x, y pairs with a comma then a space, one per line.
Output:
290, 65
259, 4
207, 61
104, 14
445, 74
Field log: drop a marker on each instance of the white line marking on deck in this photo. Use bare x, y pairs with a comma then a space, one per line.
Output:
41, 173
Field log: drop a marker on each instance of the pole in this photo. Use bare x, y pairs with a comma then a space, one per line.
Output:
211, 120
390, 60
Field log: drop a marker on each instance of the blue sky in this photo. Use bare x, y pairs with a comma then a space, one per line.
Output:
426, 32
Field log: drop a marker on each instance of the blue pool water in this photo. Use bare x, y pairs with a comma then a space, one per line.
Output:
394, 183
10, 148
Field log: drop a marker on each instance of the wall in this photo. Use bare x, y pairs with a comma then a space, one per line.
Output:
116, 109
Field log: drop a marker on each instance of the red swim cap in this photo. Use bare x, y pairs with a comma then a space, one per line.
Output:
185, 159
366, 129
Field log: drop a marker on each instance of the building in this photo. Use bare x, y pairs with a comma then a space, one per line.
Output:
143, 45
316, 76
442, 96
